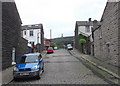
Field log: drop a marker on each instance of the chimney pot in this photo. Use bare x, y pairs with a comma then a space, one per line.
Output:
89, 19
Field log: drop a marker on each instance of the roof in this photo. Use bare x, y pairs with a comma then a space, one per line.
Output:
86, 23
34, 26
104, 10
12, 8
17, 12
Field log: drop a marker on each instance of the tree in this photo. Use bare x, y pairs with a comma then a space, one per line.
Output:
82, 41
53, 44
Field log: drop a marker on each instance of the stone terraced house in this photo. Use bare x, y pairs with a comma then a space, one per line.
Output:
107, 36
12, 44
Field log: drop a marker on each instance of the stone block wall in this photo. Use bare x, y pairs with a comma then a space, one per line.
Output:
97, 51
119, 34
106, 48
11, 24
76, 38
21, 48
0, 36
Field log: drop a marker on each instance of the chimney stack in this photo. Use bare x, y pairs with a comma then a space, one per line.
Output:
95, 24
89, 19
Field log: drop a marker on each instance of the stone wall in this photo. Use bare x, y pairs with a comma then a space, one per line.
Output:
119, 34
11, 24
76, 38
106, 47
0, 43
0, 36
22, 48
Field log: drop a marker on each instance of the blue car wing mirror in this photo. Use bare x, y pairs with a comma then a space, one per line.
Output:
17, 62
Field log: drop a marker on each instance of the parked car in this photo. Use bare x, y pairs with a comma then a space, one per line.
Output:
69, 47
30, 65
55, 48
50, 50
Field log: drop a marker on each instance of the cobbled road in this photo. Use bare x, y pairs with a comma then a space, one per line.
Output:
62, 68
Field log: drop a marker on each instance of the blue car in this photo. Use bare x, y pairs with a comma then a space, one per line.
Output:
30, 65
69, 47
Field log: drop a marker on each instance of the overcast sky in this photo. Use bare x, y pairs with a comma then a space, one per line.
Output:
59, 15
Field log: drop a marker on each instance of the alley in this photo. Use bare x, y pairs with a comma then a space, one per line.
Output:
62, 68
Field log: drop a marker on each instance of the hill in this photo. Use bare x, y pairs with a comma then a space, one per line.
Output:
63, 41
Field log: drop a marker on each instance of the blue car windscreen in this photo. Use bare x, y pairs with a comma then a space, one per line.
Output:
29, 59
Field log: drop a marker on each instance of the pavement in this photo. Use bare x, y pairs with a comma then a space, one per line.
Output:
111, 70
6, 75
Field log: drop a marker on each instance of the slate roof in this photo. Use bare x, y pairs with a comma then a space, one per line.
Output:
34, 26
86, 23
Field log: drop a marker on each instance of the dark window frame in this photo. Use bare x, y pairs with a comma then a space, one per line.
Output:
87, 29
31, 33
24, 32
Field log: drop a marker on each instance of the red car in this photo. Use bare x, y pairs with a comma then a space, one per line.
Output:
50, 50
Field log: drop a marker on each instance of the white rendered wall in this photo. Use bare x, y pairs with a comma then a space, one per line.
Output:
83, 30
34, 38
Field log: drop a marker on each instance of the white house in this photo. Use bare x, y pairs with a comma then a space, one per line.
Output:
85, 27
85, 30
33, 33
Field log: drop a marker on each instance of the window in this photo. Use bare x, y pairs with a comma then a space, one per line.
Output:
31, 42
87, 29
100, 33
31, 33
24, 32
